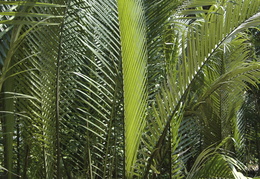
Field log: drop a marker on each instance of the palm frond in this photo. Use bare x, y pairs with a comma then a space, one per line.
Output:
220, 79
213, 163
200, 48
124, 88
161, 39
11, 71
134, 62
91, 78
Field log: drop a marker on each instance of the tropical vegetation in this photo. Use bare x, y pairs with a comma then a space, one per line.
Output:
129, 89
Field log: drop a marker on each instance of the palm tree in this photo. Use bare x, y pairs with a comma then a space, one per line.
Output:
112, 89
219, 103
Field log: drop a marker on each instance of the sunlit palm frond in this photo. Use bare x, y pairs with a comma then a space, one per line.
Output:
134, 62
199, 49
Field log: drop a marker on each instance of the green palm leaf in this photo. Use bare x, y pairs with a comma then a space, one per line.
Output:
91, 77
112, 89
200, 47
134, 61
